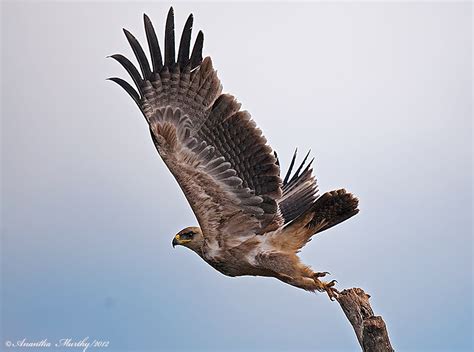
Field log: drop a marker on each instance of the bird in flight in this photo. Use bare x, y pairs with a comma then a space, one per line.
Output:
251, 220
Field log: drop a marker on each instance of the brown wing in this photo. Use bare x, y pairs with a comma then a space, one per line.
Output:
299, 191
215, 151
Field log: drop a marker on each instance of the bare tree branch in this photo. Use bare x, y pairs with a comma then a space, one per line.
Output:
370, 330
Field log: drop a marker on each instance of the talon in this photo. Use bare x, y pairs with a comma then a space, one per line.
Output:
331, 290
331, 294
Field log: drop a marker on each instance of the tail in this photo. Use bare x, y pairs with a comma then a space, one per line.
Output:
331, 209
327, 211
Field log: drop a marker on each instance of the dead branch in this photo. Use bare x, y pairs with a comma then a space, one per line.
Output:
370, 330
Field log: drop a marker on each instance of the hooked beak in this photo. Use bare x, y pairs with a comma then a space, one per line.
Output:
175, 242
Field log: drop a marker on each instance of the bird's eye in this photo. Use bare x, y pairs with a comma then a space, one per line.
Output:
187, 235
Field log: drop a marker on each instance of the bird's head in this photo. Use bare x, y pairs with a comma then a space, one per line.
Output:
190, 237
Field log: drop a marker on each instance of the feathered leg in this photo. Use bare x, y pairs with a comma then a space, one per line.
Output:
289, 269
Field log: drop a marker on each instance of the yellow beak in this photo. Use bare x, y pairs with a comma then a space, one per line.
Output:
178, 241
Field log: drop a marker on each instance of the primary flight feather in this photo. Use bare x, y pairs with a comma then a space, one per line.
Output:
251, 222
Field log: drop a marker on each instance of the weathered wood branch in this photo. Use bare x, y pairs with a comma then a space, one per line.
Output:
370, 330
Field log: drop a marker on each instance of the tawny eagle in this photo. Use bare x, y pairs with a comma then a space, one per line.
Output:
252, 222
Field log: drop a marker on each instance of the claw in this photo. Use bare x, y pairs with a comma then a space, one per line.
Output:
331, 290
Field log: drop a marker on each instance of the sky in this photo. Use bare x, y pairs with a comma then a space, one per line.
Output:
380, 92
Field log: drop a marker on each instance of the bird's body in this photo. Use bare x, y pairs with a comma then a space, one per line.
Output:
252, 222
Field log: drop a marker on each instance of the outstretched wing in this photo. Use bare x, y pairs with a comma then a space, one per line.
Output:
219, 157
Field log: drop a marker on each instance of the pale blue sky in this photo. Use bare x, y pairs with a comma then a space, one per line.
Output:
381, 92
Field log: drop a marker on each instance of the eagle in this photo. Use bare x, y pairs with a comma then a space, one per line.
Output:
252, 221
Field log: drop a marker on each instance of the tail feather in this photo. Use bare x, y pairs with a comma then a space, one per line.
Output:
327, 211
333, 208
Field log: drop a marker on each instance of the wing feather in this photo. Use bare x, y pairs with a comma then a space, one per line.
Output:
169, 39
152, 40
196, 55
183, 53
300, 190
139, 54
